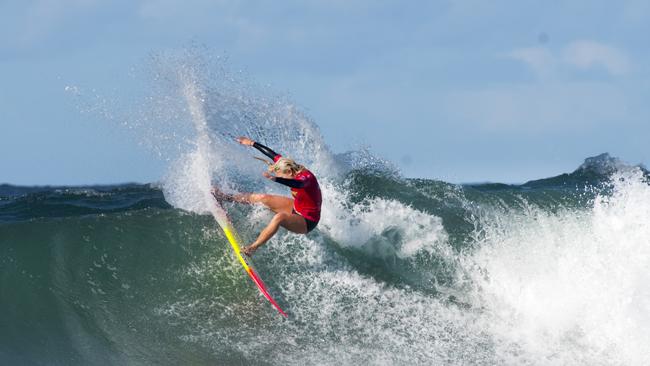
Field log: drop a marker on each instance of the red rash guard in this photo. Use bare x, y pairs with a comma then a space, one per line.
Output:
305, 190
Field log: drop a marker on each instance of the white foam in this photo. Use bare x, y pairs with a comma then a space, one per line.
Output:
356, 224
571, 287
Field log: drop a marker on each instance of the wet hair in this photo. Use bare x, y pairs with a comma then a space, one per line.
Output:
285, 166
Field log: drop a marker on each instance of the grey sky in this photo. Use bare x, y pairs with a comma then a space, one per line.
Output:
453, 90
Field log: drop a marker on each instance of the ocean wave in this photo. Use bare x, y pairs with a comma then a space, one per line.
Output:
526, 284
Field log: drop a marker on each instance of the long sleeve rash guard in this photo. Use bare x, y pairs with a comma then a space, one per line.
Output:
304, 188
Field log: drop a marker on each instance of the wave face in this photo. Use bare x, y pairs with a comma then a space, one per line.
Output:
399, 271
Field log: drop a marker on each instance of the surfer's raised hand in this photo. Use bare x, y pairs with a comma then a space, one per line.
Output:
268, 176
245, 141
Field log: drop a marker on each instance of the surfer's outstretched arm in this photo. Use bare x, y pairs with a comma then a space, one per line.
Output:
266, 151
263, 149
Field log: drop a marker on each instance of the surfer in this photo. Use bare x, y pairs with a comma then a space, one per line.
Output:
299, 214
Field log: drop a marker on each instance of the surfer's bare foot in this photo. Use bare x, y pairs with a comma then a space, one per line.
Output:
249, 250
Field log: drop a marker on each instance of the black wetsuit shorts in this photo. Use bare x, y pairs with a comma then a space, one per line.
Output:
311, 225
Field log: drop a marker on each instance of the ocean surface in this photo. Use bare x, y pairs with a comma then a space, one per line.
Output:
399, 271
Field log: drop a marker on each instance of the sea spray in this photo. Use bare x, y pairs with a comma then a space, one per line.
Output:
188, 183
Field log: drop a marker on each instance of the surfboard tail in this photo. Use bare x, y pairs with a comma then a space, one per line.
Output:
262, 287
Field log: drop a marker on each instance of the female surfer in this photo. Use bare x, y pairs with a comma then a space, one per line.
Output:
299, 214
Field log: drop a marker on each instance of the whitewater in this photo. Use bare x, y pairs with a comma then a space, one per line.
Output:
399, 271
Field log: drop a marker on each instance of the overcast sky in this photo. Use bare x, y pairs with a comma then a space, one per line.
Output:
462, 91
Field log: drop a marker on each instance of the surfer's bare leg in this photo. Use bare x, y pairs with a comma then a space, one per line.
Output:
292, 222
275, 203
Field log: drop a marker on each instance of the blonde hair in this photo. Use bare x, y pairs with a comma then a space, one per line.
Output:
286, 166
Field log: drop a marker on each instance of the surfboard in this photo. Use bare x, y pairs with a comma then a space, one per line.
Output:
221, 216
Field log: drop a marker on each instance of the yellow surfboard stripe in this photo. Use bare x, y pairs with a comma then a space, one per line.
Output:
222, 219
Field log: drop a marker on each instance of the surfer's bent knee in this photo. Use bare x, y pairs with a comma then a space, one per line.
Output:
280, 217
257, 197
